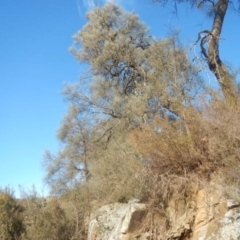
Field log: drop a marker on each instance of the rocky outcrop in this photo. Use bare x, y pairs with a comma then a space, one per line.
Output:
115, 221
216, 218
207, 215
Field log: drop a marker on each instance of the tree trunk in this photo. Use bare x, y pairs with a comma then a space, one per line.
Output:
215, 64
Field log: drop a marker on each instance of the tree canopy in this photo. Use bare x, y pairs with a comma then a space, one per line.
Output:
133, 78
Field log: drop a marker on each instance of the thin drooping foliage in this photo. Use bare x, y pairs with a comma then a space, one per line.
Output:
143, 105
134, 79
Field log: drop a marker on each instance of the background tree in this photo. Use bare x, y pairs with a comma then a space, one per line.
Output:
50, 223
209, 42
11, 217
52, 217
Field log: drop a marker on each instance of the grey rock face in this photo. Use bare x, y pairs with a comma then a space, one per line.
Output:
115, 221
206, 216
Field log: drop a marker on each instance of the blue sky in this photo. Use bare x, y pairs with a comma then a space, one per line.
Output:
35, 63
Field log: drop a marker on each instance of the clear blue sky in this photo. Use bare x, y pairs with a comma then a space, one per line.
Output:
35, 64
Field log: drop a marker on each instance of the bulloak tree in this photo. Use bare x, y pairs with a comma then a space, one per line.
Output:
142, 123
132, 78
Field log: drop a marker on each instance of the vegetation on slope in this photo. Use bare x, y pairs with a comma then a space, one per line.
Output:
142, 123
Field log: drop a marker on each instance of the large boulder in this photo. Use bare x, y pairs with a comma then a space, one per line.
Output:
116, 221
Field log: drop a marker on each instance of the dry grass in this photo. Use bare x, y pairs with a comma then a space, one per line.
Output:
201, 144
